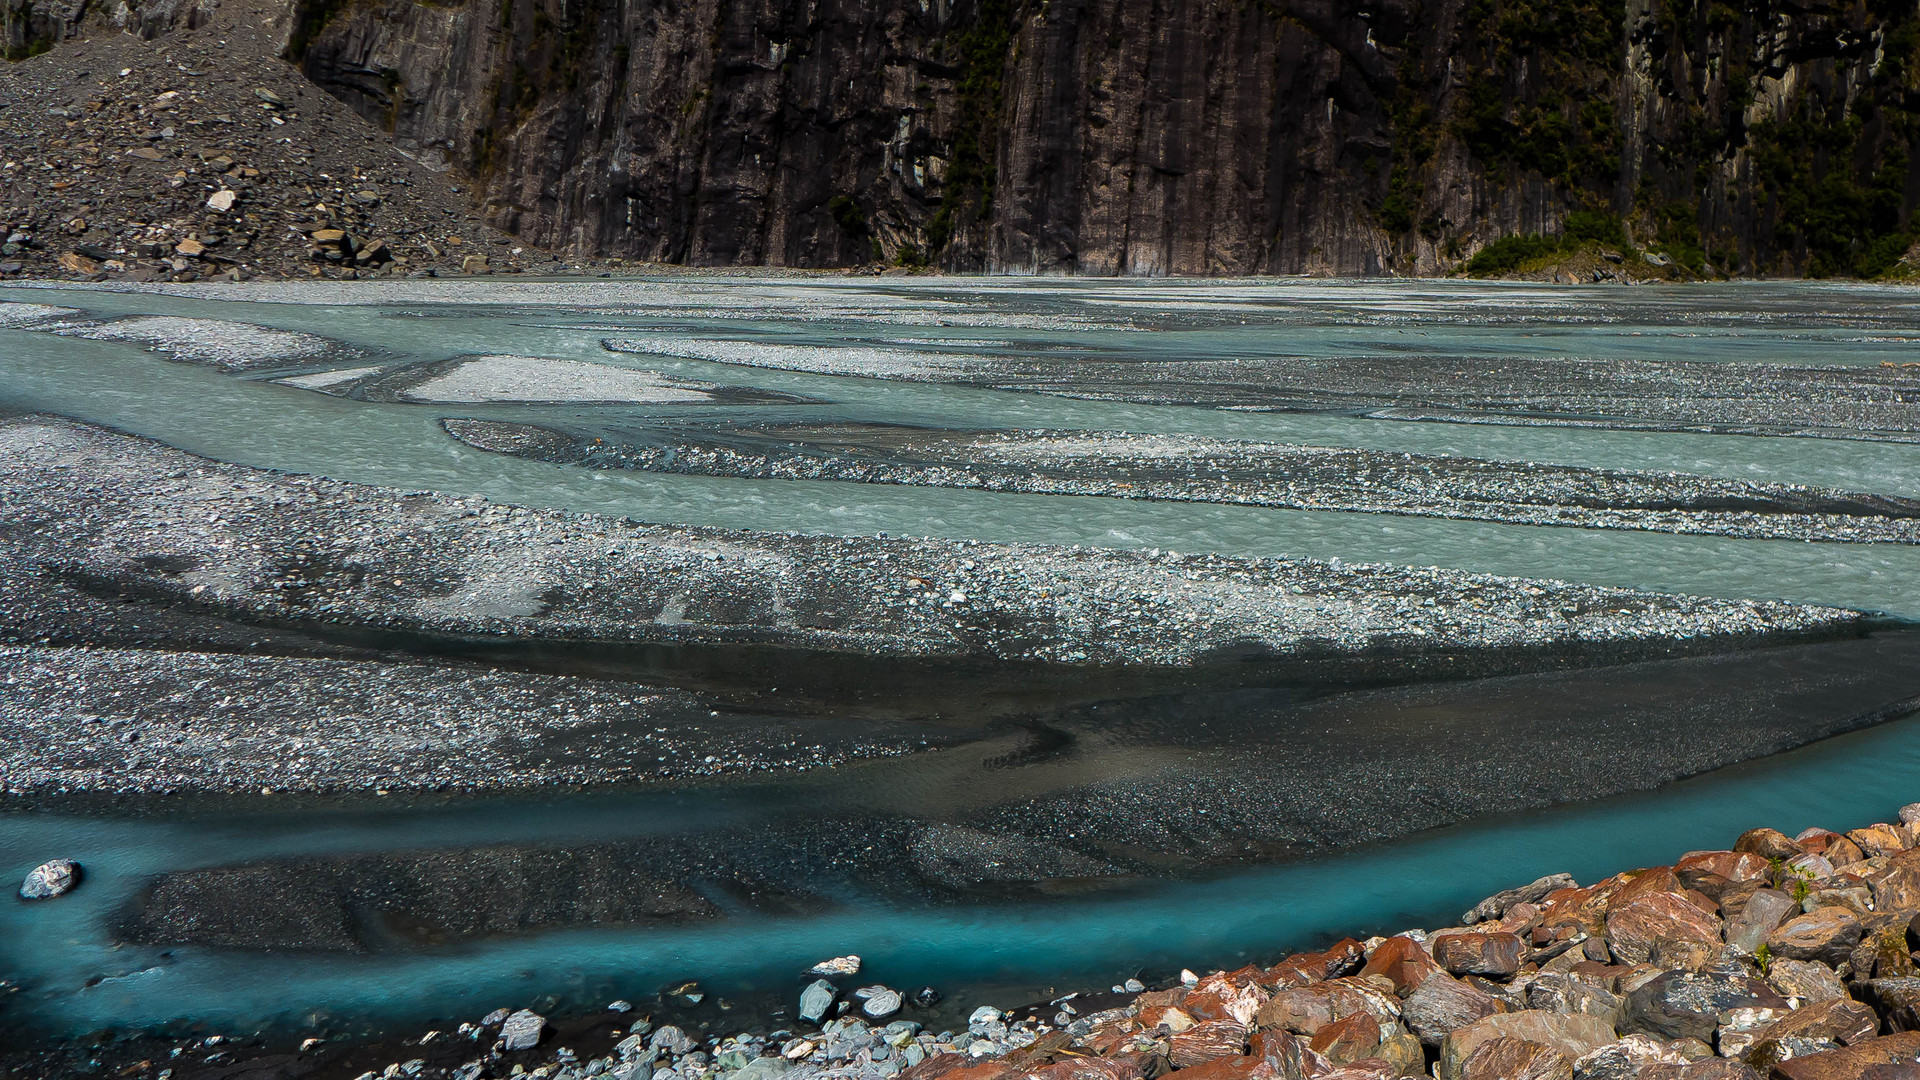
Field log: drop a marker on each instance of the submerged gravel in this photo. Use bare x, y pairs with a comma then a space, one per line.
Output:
128, 721
132, 517
1186, 468
1664, 395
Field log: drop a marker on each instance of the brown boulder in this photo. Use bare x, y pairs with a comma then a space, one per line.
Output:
1506, 1058
1878, 840
1230, 1068
1573, 1036
1827, 935
1304, 1010
1370, 1069
1342, 958
1896, 886
1477, 953
1634, 930
1206, 1041
1852, 1062
1344, 1041
1768, 844
959, 1067
1089, 1068
1444, 1004
1807, 981
1731, 865
1217, 998
1401, 960
1708, 1069
1763, 913
1837, 849
1842, 1020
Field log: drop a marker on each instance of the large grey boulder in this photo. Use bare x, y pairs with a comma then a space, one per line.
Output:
50, 879
523, 1029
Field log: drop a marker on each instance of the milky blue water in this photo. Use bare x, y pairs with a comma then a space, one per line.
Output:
56, 948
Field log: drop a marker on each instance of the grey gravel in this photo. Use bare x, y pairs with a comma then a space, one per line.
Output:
1187, 468
134, 517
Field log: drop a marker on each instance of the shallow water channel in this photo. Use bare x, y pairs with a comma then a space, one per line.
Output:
79, 975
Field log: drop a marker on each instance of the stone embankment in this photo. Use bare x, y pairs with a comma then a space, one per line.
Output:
1784, 958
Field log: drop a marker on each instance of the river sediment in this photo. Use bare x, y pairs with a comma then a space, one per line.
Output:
1184, 468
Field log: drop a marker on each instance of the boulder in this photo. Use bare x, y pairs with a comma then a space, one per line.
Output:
1769, 844
1443, 1004
879, 1002
1348, 1040
1838, 850
1493, 907
1898, 1001
1623, 1060
671, 1040
50, 879
1709, 1069
1218, 997
522, 1030
1231, 1068
1841, 1020
1573, 1036
1878, 840
1727, 865
816, 1001
1343, 958
1687, 1005
1303, 1010
1807, 981
1827, 935
1852, 1062
839, 967
1507, 1058
1401, 960
1477, 953
1370, 1069
1206, 1041
1571, 996
1764, 911
1405, 1053
1085, 1068
1896, 886
1635, 929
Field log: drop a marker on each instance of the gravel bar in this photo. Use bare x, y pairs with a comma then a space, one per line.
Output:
1184, 468
127, 516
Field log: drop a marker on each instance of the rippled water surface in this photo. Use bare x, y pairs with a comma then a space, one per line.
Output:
253, 420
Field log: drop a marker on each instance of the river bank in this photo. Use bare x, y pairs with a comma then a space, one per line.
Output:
1783, 958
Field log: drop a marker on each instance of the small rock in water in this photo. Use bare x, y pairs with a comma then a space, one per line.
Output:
879, 1002
985, 1014
927, 997
816, 1000
1134, 986
523, 1029
686, 994
48, 880
839, 966
1188, 978
495, 1017
620, 1006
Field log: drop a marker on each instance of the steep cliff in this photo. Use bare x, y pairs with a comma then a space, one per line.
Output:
1147, 136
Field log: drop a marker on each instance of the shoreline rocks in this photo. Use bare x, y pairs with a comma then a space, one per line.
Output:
50, 879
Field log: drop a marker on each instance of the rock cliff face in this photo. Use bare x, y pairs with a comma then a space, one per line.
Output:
1144, 136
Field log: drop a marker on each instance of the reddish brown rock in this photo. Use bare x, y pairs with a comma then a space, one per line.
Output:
1573, 1036
1169, 1018
959, 1067
1635, 929
1403, 961
1370, 1069
1837, 849
1444, 1004
1730, 865
1706, 1069
1852, 1062
1654, 879
1344, 1041
1843, 1021
1896, 887
1219, 997
1303, 1010
1768, 844
1089, 1068
1879, 840
1505, 1058
1827, 935
1478, 953
1343, 957
1206, 1041
1230, 1068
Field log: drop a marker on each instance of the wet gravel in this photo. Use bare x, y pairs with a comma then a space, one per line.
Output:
1881, 403
1186, 468
116, 722
126, 516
